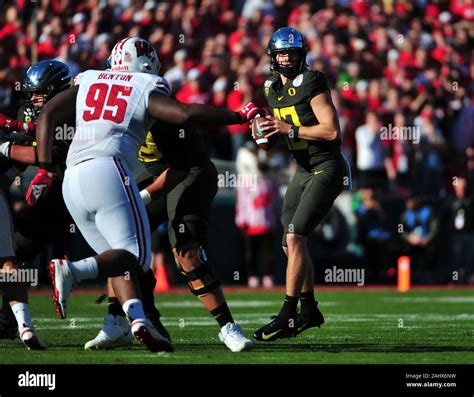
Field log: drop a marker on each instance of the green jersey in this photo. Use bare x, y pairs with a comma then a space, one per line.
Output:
176, 146
291, 103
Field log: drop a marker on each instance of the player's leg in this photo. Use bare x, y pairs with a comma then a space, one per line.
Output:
308, 282
157, 214
325, 188
114, 330
280, 326
114, 211
318, 195
108, 215
201, 281
27, 243
8, 325
188, 210
309, 315
33, 230
138, 232
15, 292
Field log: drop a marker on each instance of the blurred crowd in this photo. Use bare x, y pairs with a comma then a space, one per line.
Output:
401, 72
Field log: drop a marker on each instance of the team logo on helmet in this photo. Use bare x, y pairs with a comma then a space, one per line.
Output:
134, 54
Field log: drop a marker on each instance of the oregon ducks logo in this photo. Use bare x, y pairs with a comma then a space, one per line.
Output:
291, 91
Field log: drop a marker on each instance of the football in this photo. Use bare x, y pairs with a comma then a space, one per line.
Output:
260, 137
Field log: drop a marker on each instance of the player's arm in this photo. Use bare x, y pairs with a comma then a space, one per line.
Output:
328, 128
25, 152
60, 110
9, 125
165, 108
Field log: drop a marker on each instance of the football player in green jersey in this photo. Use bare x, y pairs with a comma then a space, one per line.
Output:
305, 115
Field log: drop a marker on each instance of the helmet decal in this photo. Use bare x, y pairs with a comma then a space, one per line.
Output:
134, 54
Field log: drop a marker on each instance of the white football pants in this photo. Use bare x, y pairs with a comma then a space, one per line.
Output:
104, 201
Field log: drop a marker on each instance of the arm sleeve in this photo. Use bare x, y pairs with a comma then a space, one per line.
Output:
159, 85
316, 84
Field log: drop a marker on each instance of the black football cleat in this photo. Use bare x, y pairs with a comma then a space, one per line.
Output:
154, 318
276, 329
8, 328
308, 320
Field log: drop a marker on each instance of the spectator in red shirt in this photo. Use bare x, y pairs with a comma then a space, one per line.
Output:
193, 91
238, 97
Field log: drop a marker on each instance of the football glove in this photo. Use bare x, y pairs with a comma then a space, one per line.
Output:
39, 186
249, 111
8, 124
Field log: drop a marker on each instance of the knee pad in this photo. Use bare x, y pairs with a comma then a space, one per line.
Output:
203, 273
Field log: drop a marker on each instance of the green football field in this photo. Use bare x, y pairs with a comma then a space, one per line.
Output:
362, 326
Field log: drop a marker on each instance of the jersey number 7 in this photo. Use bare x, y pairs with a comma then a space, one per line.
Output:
290, 115
107, 102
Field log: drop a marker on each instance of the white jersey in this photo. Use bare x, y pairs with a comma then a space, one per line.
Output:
112, 116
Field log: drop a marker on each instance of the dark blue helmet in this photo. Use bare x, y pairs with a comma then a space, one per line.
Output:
46, 78
286, 40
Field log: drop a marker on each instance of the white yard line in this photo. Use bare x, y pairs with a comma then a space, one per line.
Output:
426, 299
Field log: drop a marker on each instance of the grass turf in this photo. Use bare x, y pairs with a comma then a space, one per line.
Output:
369, 327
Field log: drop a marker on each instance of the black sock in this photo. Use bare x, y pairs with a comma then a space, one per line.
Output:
147, 283
115, 308
222, 315
7, 312
308, 303
288, 311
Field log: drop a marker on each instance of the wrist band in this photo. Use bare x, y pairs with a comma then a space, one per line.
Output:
146, 197
45, 166
294, 131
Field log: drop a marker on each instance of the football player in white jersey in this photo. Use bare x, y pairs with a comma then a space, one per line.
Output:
113, 110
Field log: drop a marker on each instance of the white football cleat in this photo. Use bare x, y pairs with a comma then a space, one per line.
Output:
31, 339
114, 333
63, 282
233, 337
146, 333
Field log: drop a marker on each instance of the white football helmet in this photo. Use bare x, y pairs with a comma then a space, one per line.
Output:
134, 54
